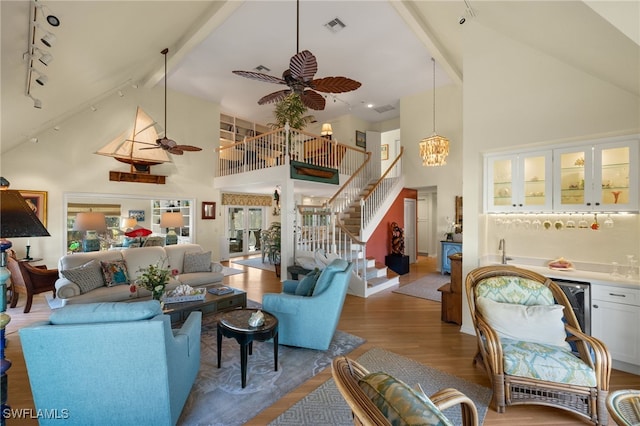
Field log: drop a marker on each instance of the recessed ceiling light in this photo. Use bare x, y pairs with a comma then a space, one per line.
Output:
369, 105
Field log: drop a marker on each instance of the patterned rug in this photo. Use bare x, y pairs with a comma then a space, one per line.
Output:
226, 271
255, 262
217, 397
326, 407
425, 287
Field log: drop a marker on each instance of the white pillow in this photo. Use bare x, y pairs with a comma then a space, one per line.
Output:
536, 323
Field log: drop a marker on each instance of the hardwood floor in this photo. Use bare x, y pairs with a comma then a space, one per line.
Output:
406, 325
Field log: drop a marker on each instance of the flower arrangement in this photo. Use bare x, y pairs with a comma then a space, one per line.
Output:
155, 278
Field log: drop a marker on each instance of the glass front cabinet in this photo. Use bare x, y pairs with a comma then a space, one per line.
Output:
519, 182
597, 177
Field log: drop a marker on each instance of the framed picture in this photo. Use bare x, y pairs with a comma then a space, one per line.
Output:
37, 200
208, 210
138, 214
384, 151
361, 139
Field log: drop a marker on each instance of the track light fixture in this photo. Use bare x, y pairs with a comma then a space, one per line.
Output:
42, 78
37, 103
48, 40
45, 57
51, 19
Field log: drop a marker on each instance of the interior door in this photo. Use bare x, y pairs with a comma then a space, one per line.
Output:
244, 225
410, 229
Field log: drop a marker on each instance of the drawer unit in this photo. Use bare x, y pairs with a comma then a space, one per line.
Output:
627, 296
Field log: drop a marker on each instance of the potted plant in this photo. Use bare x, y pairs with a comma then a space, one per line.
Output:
291, 110
272, 245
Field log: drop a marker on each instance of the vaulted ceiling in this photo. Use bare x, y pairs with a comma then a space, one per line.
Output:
103, 47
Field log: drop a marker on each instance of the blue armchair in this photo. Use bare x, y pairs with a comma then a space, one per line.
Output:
111, 363
311, 321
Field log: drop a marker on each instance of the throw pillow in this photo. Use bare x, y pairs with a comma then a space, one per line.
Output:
88, 276
400, 404
197, 262
115, 272
307, 283
86, 313
535, 323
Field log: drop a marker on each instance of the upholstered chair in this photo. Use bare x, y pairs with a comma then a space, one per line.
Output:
29, 280
525, 327
380, 400
308, 310
111, 363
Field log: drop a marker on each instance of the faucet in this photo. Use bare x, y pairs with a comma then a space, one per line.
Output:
503, 247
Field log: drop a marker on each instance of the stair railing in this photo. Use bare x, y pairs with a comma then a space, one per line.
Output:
370, 203
351, 189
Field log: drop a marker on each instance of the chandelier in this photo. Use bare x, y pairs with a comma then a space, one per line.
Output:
435, 148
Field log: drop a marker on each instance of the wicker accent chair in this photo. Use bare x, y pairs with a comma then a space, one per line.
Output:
581, 388
347, 373
624, 407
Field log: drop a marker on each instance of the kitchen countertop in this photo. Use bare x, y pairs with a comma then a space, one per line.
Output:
580, 273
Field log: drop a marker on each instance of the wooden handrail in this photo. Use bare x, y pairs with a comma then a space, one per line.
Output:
384, 175
342, 188
261, 135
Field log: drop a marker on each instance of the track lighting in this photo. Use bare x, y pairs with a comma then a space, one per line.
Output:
51, 19
45, 57
42, 79
37, 103
49, 39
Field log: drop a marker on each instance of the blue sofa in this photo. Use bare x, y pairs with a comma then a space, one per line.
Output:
111, 363
311, 321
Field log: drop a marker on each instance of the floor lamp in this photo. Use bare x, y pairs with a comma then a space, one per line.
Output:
17, 219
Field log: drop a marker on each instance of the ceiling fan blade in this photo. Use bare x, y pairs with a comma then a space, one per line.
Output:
335, 84
303, 66
259, 76
187, 148
175, 151
313, 100
274, 97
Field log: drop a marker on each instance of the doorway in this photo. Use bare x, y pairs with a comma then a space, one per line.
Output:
244, 226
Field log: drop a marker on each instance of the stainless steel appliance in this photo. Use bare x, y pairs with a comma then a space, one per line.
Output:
579, 294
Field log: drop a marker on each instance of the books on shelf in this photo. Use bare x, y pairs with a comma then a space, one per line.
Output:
219, 291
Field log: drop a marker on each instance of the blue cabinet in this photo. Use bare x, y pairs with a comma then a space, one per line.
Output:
448, 248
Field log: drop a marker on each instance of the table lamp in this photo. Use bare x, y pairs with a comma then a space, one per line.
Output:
17, 219
90, 222
326, 131
171, 220
129, 223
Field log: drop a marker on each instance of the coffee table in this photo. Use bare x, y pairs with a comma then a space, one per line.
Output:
211, 304
235, 324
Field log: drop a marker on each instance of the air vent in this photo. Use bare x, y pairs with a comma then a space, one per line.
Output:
335, 25
383, 108
262, 68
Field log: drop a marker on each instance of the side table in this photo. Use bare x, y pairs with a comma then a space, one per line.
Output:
235, 324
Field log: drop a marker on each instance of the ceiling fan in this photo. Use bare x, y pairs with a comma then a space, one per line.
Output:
299, 78
165, 143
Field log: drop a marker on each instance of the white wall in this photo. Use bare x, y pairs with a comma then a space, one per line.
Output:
515, 96
64, 161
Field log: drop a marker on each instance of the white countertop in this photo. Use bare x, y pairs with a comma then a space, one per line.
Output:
580, 273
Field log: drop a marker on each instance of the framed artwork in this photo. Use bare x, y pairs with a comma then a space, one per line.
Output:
384, 151
361, 139
37, 200
138, 214
208, 210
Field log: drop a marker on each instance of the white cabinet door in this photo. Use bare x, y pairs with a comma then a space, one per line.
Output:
616, 325
596, 177
519, 183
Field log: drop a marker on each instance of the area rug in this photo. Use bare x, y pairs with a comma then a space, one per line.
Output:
326, 407
425, 287
226, 271
217, 397
255, 262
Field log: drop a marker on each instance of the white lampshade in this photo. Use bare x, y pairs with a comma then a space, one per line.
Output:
90, 221
129, 222
171, 220
326, 129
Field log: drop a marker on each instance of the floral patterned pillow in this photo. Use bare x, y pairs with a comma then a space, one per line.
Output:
115, 272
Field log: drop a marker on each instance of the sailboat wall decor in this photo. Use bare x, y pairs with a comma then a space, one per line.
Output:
127, 148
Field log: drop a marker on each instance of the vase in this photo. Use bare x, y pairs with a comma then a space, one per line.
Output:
157, 294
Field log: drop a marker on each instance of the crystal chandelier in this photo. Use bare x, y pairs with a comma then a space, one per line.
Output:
435, 148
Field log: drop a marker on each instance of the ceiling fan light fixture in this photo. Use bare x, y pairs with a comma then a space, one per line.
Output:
435, 148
